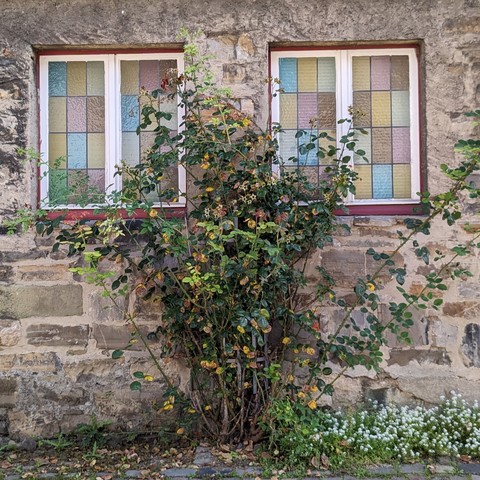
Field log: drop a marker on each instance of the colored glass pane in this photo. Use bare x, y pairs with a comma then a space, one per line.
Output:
382, 181
361, 73
401, 145
363, 184
57, 79
326, 81
380, 72
96, 114
129, 77
95, 79
57, 149
130, 148
57, 114
307, 110
130, 113
400, 108
381, 145
168, 105
288, 74
288, 145
76, 78
381, 114
400, 72
309, 156
288, 110
77, 150
325, 143
362, 105
364, 143
307, 74
96, 180
57, 186
77, 114
149, 74
327, 110
402, 181
96, 150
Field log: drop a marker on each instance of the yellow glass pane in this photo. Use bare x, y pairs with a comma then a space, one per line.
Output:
95, 79
129, 77
76, 79
325, 143
96, 150
57, 148
57, 114
307, 74
364, 182
402, 181
288, 110
361, 73
381, 111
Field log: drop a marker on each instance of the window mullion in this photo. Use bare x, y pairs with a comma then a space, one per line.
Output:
111, 122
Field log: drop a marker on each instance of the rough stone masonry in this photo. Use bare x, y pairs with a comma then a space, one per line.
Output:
57, 334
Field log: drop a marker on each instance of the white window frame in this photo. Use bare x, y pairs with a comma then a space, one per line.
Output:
344, 99
113, 119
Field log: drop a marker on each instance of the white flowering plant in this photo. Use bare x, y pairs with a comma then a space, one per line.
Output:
380, 433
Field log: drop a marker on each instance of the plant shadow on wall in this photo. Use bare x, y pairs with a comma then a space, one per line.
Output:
231, 276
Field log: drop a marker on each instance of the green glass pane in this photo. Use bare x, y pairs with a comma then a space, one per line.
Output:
57, 186
95, 79
326, 75
76, 78
129, 77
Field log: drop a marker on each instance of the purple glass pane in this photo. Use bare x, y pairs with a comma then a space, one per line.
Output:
307, 109
401, 145
149, 74
327, 116
96, 180
381, 145
380, 73
76, 114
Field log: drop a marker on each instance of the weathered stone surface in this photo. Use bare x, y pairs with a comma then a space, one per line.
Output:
10, 333
34, 273
441, 334
8, 392
57, 335
111, 337
403, 357
471, 345
22, 301
33, 363
466, 309
6, 273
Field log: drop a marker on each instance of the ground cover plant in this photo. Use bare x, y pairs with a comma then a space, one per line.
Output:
231, 274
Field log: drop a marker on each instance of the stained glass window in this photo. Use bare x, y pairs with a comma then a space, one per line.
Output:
318, 87
306, 102
80, 111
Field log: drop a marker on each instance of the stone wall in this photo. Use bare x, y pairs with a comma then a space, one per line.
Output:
57, 334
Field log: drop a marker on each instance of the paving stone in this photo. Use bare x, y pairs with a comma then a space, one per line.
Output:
203, 457
133, 473
413, 468
473, 468
179, 472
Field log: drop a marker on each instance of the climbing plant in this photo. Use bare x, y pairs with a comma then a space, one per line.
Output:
230, 274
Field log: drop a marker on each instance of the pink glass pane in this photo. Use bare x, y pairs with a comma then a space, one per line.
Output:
307, 109
149, 74
401, 145
381, 145
96, 179
77, 114
380, 73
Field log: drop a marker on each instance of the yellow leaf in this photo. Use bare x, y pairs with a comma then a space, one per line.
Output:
312, 404
241, 329
180, 431
286, 340
148, 378
209, 189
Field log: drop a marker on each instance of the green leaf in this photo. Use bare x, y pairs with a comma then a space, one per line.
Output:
116, 354
135, 386
138, 374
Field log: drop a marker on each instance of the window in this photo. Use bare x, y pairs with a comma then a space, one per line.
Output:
381, 83
90, 106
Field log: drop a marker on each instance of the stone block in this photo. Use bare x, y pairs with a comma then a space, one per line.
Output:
403, 357
377, 221
82, 370
471, 345
22, 301
10, 333
234, 73
441, 334
111, 337
57, 335
8, 392
49, 273
465, 309
469, 290
6, 273
344, 265
35, 363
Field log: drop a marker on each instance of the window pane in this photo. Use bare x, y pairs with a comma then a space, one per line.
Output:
138, 80
380, 93
76, 107
307, 101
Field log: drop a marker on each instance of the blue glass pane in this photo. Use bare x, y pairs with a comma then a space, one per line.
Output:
310, 156
382, 181
57, 79
288, 74
77, 150
130, 113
